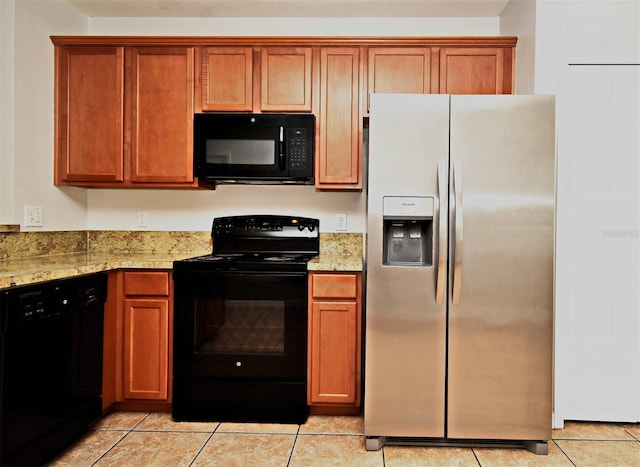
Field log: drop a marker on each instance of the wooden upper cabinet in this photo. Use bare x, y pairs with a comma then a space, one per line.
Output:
226, 77
405, 70
269, 79
476, 70
125, 105
285, 79
89, 99
448, 70
160, 114
124, 117
338, 159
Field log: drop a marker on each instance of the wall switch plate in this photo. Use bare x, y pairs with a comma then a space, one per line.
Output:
33, 216
143, 219
341, 222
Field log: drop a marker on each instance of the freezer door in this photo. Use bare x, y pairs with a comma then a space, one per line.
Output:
405, 326
501, 309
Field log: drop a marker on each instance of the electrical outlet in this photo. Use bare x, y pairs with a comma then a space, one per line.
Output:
341, 222
33, 216
143, 219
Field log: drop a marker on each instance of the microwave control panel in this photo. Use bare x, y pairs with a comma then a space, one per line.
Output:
298, 151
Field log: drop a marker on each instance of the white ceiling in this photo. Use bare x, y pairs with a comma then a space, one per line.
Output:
291, 8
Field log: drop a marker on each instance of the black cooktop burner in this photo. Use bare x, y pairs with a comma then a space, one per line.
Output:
260, 242
252, 258
287, 258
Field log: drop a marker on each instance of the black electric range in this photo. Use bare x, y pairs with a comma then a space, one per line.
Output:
241, 322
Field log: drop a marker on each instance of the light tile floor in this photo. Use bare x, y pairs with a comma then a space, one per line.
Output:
153, 439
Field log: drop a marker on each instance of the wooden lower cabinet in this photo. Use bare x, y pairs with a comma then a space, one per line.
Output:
334, 354
146, 349
138, 346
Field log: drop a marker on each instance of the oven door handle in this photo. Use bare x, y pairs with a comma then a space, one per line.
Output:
232, 273
275, 274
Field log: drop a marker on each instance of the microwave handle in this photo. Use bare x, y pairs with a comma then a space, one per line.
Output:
281, 149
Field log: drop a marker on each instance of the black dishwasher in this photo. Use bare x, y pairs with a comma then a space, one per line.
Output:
51, 362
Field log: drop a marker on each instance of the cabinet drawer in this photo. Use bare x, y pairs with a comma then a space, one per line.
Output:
334, 285
146, 283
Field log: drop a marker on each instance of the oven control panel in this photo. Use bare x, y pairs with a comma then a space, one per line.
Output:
264, 226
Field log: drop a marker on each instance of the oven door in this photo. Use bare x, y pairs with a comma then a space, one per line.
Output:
238, 326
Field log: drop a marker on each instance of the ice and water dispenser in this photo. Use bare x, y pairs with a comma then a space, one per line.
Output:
407, 230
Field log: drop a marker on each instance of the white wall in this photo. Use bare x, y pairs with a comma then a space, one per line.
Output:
189, 210
519, 19
588, 53
27, 133
7, 41
295, 26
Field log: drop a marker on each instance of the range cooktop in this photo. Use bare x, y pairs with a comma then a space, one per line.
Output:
259, 242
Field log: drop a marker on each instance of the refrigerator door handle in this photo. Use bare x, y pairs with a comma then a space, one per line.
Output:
458, 233
441, 275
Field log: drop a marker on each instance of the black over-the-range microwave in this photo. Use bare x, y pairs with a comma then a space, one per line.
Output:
254, 148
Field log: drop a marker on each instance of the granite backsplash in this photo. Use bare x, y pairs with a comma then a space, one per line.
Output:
17, 245
29, 244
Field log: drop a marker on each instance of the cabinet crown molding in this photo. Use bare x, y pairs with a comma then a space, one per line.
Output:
257, 41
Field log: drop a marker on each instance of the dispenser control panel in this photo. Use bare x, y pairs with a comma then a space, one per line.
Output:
407, 207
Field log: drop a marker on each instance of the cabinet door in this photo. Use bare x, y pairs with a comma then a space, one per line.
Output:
160, 114
338, 164
286, 79
334, 339
401, 70
146, 349
89, 107
226, 75
333, 353
476, 71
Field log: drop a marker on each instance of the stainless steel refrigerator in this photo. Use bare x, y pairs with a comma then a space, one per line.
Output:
459, 288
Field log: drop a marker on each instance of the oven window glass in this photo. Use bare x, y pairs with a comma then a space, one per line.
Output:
241, 151
239, 327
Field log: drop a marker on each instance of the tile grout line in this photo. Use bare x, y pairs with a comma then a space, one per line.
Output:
111, 448
473, 451
295, 440
203, 446
562, 451
128, 432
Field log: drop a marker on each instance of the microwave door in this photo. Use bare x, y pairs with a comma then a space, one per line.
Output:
255, 153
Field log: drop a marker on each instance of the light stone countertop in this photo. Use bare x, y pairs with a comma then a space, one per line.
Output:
327, 262
338, 252
22, 271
